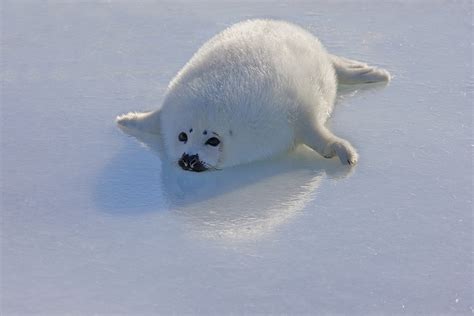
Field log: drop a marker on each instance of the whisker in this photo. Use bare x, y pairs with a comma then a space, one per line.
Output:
210, 167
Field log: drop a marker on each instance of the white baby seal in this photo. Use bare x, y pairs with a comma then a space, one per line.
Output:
256, 89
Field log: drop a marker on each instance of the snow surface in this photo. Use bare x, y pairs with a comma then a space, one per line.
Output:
94, 223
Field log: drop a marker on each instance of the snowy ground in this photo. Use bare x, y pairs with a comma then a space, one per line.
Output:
93, 224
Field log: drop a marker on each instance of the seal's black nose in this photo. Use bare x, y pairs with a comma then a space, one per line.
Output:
191, 162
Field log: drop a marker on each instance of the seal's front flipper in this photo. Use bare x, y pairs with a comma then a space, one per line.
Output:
147, 122
328, 145
343, 149
355, 72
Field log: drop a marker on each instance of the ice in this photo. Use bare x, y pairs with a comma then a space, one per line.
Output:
93, 222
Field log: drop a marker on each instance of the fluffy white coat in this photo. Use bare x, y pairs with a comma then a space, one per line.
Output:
260, 87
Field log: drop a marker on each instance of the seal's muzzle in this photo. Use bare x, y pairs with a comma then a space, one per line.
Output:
191, 163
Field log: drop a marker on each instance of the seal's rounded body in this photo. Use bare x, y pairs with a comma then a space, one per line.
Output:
259, 87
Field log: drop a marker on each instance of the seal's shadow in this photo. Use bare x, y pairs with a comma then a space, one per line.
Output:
235, 203
130, 182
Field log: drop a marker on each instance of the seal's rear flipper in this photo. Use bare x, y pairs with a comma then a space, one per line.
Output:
355, 72
147, 122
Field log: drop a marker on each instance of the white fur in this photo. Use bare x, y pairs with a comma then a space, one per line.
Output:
263, 86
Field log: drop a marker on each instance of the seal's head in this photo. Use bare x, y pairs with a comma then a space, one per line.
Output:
197, 129
198, 150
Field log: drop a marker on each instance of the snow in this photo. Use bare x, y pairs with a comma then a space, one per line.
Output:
95, 223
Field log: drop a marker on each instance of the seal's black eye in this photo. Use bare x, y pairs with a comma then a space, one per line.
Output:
213, 141
183, 137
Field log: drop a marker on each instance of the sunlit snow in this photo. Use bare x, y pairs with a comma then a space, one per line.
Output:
93, 221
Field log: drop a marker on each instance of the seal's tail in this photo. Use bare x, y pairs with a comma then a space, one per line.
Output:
355, 72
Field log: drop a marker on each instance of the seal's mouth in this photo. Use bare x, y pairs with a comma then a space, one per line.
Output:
191, 163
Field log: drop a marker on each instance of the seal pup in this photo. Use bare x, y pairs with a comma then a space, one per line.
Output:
257, 89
